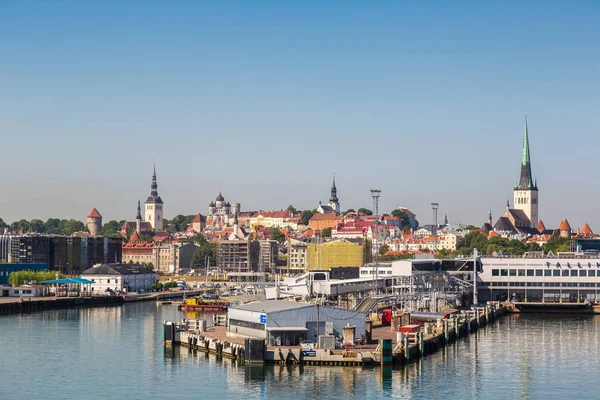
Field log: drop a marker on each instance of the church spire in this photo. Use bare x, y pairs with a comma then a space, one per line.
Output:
333, 198
139, 211
526, 182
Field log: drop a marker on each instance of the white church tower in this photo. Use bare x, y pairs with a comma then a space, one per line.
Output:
153, 212
526, 192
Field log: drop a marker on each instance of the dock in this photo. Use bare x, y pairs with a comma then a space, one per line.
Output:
16, 305
386, 346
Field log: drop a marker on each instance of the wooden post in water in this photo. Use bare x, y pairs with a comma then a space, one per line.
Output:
446, 333
456, 328
421, 343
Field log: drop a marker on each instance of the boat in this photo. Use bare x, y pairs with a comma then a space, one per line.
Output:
163, 303
199, 303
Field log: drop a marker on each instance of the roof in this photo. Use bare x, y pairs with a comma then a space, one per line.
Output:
199, 218
272, 306
118, 269
587, 230
94, 214
220, 197
487, 227
521, 219
541, 227
77, 281
564, 226
492, 234
504, 224
325, 217
327, 209
134, 237
286, 328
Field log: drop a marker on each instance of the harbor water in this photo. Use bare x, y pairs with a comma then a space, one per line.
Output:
117, 352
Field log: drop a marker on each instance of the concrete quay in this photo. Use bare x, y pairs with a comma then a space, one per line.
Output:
387, 346
15, 305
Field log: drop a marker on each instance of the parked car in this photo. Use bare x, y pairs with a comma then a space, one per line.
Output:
307, 345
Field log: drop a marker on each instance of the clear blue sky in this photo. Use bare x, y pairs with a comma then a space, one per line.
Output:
266, 100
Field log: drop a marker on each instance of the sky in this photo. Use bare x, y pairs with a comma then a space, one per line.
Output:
266, 100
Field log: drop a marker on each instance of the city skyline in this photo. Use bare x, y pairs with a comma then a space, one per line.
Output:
427, 104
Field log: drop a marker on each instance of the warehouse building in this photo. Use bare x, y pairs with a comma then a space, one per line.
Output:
287, 323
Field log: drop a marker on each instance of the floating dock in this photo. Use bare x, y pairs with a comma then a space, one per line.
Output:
389, 347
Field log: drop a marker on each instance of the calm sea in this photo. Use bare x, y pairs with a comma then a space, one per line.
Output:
105, 353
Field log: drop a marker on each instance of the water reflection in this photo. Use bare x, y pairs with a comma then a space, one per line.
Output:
116, 350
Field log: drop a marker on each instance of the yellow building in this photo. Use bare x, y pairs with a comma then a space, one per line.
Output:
337, 253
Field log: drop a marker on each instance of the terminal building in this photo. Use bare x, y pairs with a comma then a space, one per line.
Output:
568, 277
288, 323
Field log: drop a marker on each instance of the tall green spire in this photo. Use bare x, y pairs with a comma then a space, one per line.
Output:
525, 159
526, 181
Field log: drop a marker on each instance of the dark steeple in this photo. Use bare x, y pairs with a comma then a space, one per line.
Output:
154, 197
333, 198
139, 212
526, 181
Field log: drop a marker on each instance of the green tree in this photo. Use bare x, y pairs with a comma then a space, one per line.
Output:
470, 241
206, 253
36, 225
169, 285
383, 249
350, 210
157, 286
305, 216
291, 209
19, 278
402, 216
146, 237
111, 228
276, 234
365, 211
3, 224
326, 233
557, 244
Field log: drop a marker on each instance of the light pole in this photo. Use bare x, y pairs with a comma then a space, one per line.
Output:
375, 193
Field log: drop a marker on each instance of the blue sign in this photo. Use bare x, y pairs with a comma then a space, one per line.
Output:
263, 318
309, 353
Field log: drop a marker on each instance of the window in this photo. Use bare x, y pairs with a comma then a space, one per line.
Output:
592, 273
521, 272
512, 272
108, 281
556, 272
495, 272
583, 273
547, 272
503, 272
565, 272
539, 272
574, 272
529, 272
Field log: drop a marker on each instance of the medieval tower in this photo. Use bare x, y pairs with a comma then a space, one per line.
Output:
94, 222
153, 212
526, 192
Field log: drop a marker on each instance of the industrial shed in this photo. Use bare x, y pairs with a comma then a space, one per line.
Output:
289, 323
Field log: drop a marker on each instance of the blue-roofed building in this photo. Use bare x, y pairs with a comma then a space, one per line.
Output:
7, 269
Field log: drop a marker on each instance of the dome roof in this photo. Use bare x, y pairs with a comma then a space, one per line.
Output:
227, 204
212, 204
220, 197
564, 226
